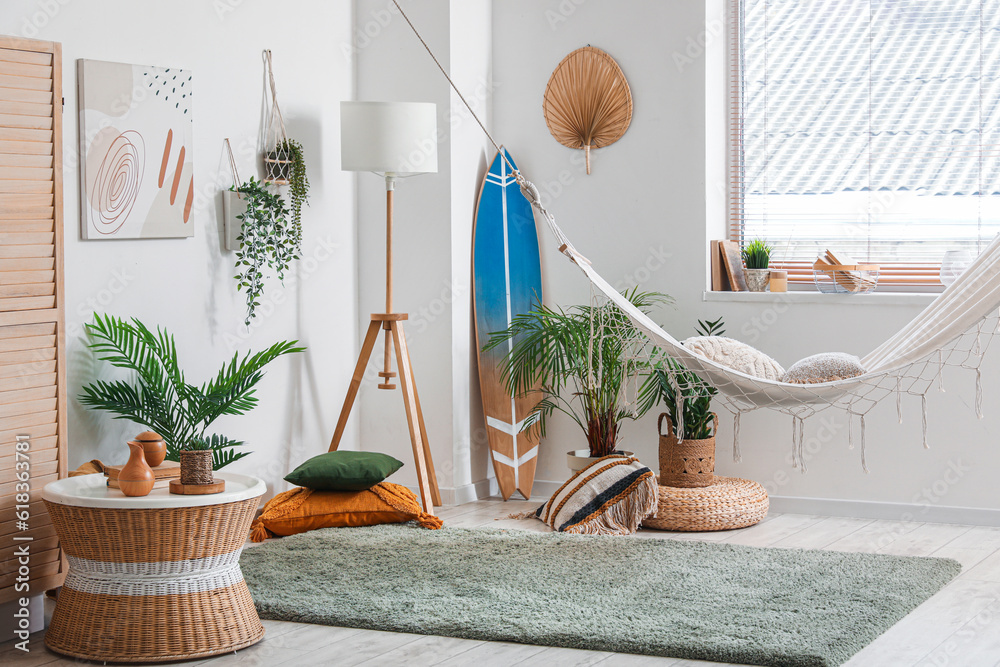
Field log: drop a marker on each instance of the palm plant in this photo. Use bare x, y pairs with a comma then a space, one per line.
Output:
160, 398
582, 359
677, 387
683, 392
711, 328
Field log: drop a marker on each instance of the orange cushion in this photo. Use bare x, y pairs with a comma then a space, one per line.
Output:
301, 510
336, 509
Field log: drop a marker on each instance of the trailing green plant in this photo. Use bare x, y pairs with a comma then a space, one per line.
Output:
158, 395
266, 241
582, 361
298, 184
757, 254
710, 328
676, 387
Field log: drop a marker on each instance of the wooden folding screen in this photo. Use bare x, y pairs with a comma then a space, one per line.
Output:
32, 321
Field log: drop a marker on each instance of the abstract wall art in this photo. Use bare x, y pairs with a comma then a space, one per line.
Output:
136, 166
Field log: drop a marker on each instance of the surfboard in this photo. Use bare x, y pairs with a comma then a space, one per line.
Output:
507, 282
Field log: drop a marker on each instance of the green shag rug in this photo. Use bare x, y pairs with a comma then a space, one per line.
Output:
681, 599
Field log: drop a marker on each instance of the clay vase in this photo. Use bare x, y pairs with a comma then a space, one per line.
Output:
153, 447
136, 477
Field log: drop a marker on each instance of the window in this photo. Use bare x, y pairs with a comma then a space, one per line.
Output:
869, 127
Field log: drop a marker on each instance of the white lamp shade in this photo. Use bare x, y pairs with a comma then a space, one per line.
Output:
398, 138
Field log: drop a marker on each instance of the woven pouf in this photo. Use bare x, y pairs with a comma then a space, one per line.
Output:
729, 503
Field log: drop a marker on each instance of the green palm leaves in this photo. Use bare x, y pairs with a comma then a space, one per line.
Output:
584, 361
159, 397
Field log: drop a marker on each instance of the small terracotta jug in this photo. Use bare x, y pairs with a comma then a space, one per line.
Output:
153, 447
136, 477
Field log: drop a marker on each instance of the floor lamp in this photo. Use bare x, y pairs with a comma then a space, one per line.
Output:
394, 140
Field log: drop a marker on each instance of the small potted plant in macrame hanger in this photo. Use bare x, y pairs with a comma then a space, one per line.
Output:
284, 160
756, 259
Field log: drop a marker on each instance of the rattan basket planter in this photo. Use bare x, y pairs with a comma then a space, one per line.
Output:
153, 584
686, 463
729, 503
196, 466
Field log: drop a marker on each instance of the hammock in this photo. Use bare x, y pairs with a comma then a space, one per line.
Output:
954, 330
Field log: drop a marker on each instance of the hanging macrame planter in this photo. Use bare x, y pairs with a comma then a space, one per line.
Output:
277, 156
587, 102
284, 163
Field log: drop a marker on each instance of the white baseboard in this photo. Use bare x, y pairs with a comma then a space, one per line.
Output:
542, 490
467, 493
869, 509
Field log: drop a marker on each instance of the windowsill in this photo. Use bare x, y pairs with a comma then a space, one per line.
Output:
813, 297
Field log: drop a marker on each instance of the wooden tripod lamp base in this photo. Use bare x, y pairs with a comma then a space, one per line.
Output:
392, 323
380, 137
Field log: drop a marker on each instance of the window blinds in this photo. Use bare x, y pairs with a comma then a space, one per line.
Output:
869, 127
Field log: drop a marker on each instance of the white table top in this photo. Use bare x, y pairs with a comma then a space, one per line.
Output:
93, 491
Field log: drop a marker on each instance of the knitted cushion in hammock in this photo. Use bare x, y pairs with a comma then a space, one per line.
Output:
824, 367
611, 496
301, 510
736, 355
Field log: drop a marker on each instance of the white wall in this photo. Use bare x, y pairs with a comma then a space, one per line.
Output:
650, 196
642, 217
186, 285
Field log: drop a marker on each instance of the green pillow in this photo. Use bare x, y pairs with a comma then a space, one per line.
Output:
344, 471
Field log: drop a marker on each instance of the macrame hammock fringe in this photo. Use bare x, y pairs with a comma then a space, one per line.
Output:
949, 332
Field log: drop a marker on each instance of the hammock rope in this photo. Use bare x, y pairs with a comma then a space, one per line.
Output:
949, 332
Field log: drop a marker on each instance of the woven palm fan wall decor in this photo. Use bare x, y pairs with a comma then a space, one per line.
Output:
587, 103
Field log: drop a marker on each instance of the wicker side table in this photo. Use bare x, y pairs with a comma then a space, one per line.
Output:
152, 579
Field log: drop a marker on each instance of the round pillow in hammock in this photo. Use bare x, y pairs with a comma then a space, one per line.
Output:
587, 102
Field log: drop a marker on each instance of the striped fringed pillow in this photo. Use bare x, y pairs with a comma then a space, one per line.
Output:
611, 496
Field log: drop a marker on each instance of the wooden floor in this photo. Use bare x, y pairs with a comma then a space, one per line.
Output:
958, 627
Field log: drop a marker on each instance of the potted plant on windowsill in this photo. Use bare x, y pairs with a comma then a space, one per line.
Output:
579, 357
158, 395
756, 259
